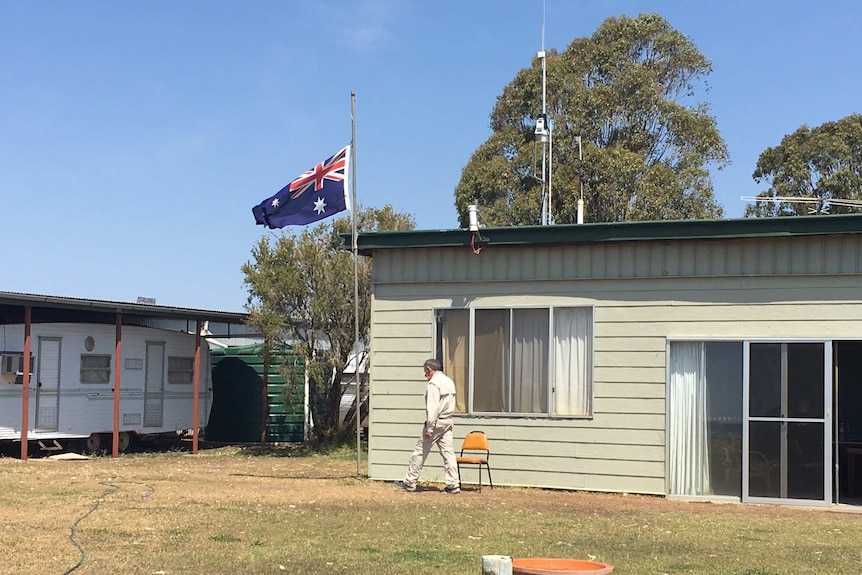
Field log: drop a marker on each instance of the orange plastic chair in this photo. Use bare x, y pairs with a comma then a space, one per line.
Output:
475, 444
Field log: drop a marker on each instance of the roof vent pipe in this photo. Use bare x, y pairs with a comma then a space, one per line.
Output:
473, 214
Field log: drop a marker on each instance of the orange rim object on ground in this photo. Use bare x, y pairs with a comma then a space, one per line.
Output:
545, 566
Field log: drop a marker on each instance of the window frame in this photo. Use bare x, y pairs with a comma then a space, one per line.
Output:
173, 371
550, 367
88, 370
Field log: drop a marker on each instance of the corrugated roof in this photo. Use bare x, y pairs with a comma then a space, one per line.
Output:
612, 232
48, 308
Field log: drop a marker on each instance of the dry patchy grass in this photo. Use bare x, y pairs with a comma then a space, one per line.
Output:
240, 511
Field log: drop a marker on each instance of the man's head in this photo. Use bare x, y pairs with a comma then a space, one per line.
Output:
431, 366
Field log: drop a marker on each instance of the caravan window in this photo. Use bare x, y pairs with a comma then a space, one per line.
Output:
95, 368
519, 361
181, 369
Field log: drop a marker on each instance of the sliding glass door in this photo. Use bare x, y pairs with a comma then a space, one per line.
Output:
751, 419
704, 427
787, 422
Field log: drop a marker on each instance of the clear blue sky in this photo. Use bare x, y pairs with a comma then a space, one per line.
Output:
135, 137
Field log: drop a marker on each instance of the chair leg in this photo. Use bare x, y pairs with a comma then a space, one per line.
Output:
487, 467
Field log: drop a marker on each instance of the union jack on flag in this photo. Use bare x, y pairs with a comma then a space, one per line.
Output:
332, 169
317, 194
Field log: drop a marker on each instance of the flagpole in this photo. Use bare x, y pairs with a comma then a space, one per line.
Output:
356, 362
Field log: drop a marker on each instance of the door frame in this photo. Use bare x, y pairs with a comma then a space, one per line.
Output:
44, 396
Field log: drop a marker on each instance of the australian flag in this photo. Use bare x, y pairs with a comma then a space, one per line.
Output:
316, 194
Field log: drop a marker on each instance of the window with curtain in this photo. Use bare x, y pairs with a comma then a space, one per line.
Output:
491, 339
573, 365
453, 352
704, 428
524, 361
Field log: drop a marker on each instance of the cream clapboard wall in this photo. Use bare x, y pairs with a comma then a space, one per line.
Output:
643, 293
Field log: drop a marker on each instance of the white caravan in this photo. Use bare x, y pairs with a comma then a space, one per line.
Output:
71, 393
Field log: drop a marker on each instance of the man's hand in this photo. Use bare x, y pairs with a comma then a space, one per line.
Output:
429, 433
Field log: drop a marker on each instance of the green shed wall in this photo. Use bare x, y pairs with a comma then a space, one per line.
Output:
237, 413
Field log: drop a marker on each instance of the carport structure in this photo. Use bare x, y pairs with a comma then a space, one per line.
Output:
27, 309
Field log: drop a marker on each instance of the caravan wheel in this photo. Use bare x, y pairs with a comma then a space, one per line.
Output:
94, 443
125, 440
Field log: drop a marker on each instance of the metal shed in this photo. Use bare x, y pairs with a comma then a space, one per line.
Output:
243, 410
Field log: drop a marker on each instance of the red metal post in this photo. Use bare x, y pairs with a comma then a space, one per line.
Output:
25, 388
118, 348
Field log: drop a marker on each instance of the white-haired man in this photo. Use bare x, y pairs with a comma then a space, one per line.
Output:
439, 409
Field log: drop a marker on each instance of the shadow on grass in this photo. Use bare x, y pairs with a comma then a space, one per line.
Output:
284, 450
343, 451
324, 477
302, 450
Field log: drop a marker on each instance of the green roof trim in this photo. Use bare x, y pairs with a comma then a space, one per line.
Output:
571, 234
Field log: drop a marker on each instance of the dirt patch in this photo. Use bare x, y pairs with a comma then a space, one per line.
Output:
217, 471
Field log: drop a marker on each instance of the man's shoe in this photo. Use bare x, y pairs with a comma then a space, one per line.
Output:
405, 486
452, 490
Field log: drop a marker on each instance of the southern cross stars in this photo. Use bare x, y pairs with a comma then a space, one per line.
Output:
319, 205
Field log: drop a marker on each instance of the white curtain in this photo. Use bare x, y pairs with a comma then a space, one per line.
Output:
530, 361
572, 359
687, 445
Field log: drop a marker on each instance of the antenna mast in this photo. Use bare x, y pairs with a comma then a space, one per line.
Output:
543, 134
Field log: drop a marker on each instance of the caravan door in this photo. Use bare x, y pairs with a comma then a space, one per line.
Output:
154, 384
48, 384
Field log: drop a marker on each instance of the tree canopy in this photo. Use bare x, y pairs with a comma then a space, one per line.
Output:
822, 165
301, 293
629, 93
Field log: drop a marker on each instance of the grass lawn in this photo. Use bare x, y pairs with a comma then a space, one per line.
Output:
239, 511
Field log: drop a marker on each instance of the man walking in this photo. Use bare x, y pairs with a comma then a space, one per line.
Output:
439, 408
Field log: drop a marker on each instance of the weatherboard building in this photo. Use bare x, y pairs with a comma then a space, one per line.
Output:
700, 359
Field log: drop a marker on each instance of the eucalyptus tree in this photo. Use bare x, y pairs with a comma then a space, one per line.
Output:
301, 293
629, 93
812, 170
